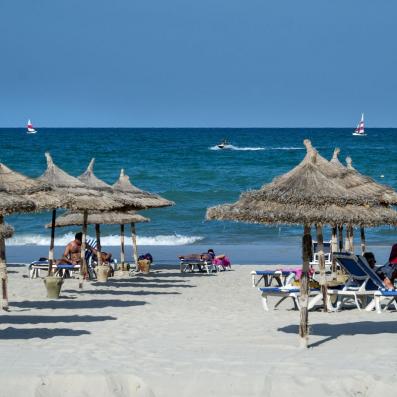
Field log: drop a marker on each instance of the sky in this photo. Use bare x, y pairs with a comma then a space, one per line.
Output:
189, 63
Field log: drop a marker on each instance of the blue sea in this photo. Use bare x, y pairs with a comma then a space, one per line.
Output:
185, 165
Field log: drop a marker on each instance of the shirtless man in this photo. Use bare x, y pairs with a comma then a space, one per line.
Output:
72, 251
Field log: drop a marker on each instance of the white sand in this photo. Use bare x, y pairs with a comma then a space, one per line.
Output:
169, 334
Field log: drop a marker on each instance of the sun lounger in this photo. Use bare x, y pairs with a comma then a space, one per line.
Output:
381, 293
36, 267
363, 283
196, 261
289, 291
270, 276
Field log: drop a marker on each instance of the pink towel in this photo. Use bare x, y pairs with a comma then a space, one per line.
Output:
298, 271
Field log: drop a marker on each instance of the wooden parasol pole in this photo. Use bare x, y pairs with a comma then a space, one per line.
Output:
83, 262
98, 243
122, 252
134, 246
321, 263
362, 234
340, 237
52, 242
304, 289
3, 270
347, 239
351, 239
334, 247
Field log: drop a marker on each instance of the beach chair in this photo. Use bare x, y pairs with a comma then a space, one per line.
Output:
64, 269
269, 277
196, 261
289, 291
327, 254
362, 283
36, 267
375, 283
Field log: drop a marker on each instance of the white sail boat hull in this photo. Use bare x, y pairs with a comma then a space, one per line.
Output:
30, 129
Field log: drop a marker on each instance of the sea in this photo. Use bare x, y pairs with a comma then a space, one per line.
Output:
186, 166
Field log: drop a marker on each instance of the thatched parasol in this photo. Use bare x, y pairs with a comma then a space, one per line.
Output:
133, 198
104, 218
308, 194
146, 199
363, 185
150, 200
18, 193
80, 198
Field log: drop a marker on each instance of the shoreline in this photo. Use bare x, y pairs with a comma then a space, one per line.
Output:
248, 254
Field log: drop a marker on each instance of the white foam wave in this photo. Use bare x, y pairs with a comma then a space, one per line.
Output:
109, 241
287, 148
232, 147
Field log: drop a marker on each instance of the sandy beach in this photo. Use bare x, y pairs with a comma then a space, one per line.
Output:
172, 334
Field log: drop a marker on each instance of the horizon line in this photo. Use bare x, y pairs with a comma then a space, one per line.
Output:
166, 127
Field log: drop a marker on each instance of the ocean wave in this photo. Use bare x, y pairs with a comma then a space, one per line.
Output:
232, 147
109, 241
287, 148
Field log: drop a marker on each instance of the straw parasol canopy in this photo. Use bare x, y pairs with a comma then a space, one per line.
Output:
88, 178
311, 193
80, 196
10, 204
101, 218
358, 183
149, 200
249, 209
18, 193
312, 182
29, 194
6, 231
130, 200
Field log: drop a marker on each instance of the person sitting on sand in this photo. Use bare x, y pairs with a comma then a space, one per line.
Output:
388, 272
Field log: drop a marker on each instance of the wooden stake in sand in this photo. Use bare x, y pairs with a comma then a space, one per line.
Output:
98, 243
340, 237
362, 234
334, 247
321, 262
83, 262
3, 270
304, 289
134, 246
122, 251
52, 242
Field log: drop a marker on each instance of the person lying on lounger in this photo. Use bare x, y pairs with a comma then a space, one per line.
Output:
388, 272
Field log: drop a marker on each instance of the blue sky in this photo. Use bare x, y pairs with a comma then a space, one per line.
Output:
207, 63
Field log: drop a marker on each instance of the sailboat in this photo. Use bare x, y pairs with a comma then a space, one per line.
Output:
30, 129
359, 131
